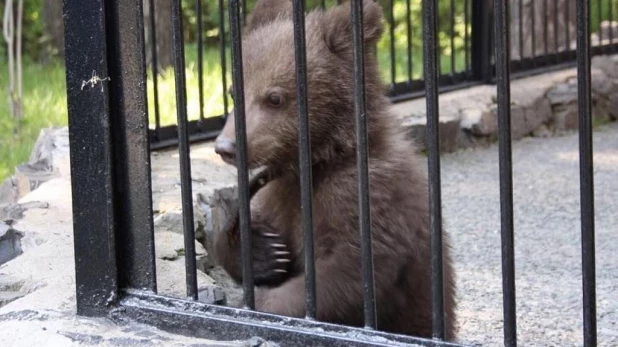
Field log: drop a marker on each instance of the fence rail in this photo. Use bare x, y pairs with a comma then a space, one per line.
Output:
111, 146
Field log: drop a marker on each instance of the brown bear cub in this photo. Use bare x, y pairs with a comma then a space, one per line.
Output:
397, 175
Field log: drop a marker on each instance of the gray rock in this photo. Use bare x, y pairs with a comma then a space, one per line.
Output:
30, 176
449, 130
563, 93
613, 106
212, 295
564, 117
601, 83
608, 30
519, 127
536, 114
8, 191
479, 122
542, 131
14, 211
10, 243
606, 63
170, 246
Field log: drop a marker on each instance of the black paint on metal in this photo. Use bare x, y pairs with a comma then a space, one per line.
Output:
482, 40
545, 29
200, 58
154, 67
533, 36
567, 25
201, 320
223, 58
430, 49
90, 139
556, 28
369, 299
452, 36
610, 11
183, 146
466, 35
305, 163
241, 155
391, 26
409, 39
584, 105
128, 116
506, 171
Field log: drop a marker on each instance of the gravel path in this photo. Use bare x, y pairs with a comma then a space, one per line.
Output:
547, 239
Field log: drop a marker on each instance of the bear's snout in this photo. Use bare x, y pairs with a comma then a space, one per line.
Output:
226, 148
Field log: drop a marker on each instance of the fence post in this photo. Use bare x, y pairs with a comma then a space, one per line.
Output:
482, 40
110, 155
91, 155
129, 121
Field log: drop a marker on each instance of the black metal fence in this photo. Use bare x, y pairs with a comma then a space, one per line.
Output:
110, 164
543, 38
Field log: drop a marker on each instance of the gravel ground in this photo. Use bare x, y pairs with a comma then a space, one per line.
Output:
547, 239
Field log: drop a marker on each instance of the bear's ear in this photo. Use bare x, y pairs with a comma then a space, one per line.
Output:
266, 11
338, 26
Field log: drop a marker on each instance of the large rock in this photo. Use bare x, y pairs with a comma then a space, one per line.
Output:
563, 100
479, 122
10, 243
609, 30
448, 129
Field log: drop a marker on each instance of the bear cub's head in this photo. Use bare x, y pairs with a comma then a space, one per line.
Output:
270, 90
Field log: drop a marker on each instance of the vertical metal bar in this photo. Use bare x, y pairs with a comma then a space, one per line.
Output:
200, 58
183, 148
482, 12
610, 11
586, 172
600, 16
304, 146
223, 58
91, 156
545, 29
452, 38
129, 122
521, 28
155, 66
323, 4
466, 37
533, 36
506, 171
391, 19
241, 159
362, 165
556, 29
409, 39
430, 44
567, 34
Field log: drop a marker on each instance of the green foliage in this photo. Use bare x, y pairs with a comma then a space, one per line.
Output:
44, 106
600, 11
36, 43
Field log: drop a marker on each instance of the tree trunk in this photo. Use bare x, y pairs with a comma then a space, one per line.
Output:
52, 17
560, 18
163, 24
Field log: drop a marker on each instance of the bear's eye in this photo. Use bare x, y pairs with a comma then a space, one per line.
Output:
275, 100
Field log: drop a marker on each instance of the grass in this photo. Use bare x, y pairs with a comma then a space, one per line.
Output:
44, 103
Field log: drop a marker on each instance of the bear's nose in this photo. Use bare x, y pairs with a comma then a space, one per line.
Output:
226, 148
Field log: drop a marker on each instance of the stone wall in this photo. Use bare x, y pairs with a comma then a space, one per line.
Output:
542, 105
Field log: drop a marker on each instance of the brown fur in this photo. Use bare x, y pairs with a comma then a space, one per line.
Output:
398, 185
